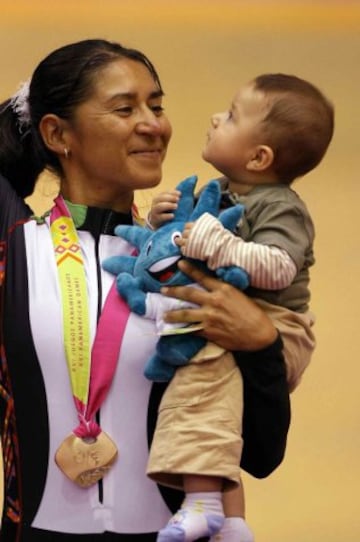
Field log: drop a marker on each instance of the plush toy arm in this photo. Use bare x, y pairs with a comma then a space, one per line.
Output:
158, 370
236, 276
177, 350
172, 351
129, 288
119, 264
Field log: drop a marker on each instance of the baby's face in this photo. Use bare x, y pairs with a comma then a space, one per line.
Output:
234, 134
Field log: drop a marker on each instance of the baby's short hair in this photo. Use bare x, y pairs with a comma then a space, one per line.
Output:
299, 124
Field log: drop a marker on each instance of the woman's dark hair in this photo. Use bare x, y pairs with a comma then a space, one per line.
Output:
17, 157
61, 82
299, 124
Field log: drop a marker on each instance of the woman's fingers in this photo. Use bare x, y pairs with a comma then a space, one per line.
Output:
227, 315
197, 275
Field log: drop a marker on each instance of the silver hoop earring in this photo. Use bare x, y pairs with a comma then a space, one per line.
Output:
66, 153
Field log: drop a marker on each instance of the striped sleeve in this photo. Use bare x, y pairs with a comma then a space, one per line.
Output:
269, 267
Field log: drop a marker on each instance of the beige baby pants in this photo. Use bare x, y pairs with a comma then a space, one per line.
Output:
199, 424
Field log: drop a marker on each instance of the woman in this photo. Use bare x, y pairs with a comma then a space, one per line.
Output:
76, 411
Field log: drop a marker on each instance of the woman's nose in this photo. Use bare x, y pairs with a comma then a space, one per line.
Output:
149, 123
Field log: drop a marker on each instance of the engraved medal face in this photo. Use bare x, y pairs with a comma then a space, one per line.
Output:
86, 461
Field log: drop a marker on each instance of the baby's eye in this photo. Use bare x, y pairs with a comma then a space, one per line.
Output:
175, 236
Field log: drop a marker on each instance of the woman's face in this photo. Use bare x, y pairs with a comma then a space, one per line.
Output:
118, 138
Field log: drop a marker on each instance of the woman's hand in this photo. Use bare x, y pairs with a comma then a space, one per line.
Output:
229, 318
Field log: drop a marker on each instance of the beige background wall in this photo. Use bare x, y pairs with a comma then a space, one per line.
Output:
204, 50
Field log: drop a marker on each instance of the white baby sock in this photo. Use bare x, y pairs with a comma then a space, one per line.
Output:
200, 515
234, 530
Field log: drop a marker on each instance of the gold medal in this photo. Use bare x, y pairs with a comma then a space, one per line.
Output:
86, 461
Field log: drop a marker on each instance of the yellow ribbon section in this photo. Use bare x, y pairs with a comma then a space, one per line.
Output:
71, 272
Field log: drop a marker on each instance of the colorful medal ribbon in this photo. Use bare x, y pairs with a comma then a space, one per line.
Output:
91, 370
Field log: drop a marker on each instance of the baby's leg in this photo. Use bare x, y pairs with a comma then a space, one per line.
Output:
235, 528
211, 418
201, 514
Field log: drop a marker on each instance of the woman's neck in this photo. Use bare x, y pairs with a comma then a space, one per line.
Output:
103, 199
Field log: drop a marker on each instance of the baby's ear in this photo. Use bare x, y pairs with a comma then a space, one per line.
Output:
262, 159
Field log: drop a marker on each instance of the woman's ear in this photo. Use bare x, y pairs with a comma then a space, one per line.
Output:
52, 132
262, 159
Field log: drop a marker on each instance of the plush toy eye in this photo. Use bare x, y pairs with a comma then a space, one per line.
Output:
175, 236
148, 248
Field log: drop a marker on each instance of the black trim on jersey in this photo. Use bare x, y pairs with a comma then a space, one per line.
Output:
26, 380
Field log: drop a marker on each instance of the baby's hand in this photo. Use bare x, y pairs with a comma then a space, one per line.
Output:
182, 241
162, 208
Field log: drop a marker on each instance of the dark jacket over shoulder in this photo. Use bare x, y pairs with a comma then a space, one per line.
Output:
266, 417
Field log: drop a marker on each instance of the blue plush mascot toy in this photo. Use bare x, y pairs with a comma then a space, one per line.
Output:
155, 266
